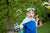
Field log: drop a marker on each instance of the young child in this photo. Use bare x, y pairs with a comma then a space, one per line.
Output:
29, 23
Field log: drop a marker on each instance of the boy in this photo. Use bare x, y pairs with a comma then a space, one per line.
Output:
29, 22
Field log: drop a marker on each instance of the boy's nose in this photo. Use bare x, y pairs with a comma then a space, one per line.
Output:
31, 14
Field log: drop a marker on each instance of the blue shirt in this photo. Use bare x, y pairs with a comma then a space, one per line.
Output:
30, 27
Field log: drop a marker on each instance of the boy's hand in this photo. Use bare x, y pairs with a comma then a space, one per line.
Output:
37, 19
21, 26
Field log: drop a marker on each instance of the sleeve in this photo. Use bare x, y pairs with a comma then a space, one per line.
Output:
24, 25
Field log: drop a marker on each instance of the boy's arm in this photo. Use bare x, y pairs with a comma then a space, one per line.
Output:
37, 21
17, 27
21, 26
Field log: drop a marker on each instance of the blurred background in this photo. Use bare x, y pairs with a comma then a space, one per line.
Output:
12, 11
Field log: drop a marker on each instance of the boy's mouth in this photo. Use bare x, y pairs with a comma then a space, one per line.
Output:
30, 16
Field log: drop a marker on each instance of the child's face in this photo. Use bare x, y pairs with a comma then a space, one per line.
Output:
30, 14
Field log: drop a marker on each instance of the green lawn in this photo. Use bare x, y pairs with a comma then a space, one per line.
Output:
44, 28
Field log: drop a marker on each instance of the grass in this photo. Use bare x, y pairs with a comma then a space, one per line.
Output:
44, 28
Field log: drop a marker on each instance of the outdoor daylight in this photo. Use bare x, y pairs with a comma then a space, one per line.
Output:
24, 16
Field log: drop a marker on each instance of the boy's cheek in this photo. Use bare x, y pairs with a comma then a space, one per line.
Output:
32, 14
28, 14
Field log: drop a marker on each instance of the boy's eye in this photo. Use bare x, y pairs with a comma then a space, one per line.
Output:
30, 13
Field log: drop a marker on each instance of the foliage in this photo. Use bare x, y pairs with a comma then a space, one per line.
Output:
3, 16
